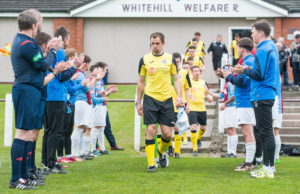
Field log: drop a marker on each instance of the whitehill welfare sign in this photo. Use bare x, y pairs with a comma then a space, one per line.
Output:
187, 7
179, 9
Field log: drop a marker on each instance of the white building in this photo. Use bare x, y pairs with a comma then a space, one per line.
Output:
117, 31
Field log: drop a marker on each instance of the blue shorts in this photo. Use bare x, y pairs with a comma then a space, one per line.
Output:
40, 117
26, 99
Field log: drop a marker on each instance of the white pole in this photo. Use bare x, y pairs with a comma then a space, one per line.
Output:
222, 83
8, 120
137, 129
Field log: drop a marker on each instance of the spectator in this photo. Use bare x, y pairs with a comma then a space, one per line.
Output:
285, 67
281, 40
234, 49
295, 59
283, 58
217, 49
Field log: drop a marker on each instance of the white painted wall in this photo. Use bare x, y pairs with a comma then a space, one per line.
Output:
122, 42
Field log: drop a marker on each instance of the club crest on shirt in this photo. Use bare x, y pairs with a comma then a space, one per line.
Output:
202, 84
164, 61
151, 70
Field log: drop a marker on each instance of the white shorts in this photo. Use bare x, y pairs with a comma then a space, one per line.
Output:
277, 121
83, 112
245, 116
99, 116
275, 109
230, 117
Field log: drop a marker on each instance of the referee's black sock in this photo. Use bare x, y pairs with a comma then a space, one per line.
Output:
24, 168
16, 153
33, 155
30, 144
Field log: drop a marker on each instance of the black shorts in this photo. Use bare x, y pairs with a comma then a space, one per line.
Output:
217, 64
161, 112
40, 118
197, 117
175, 115
27, 100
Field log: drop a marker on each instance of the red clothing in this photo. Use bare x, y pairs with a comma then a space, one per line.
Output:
252, 52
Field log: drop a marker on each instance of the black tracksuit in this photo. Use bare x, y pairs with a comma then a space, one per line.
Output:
217, 49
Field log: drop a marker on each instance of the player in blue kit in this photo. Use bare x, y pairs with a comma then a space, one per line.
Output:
264, 82
245, 113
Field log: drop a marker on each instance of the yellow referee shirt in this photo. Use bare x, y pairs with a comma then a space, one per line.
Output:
158, 69
198, 93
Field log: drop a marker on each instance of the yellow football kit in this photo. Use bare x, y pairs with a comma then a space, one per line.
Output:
158, 70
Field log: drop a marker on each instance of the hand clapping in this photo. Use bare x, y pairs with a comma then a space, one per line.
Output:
60, 67
55, 43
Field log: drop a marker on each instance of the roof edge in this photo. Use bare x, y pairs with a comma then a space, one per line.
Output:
86, 6
271, 6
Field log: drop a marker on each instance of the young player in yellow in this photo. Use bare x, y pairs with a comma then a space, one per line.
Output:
197, 113
200, 44
186, 67
198, 61
234, 49
157, 105
198, 49
186, 85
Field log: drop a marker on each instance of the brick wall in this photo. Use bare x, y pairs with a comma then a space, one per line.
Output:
75, 26
282, 28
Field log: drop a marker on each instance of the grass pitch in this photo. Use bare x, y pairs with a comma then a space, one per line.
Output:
125, 172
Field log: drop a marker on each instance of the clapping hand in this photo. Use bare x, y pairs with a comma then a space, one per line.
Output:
238, 69
225, 73
61, 66
84, 82
222, 107
103, 93
106, 99
112, 89
55, 43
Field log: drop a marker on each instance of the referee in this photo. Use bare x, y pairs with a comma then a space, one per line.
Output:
29, 67
217, 49
157, 106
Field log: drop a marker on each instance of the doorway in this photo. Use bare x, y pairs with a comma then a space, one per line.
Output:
232, 32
